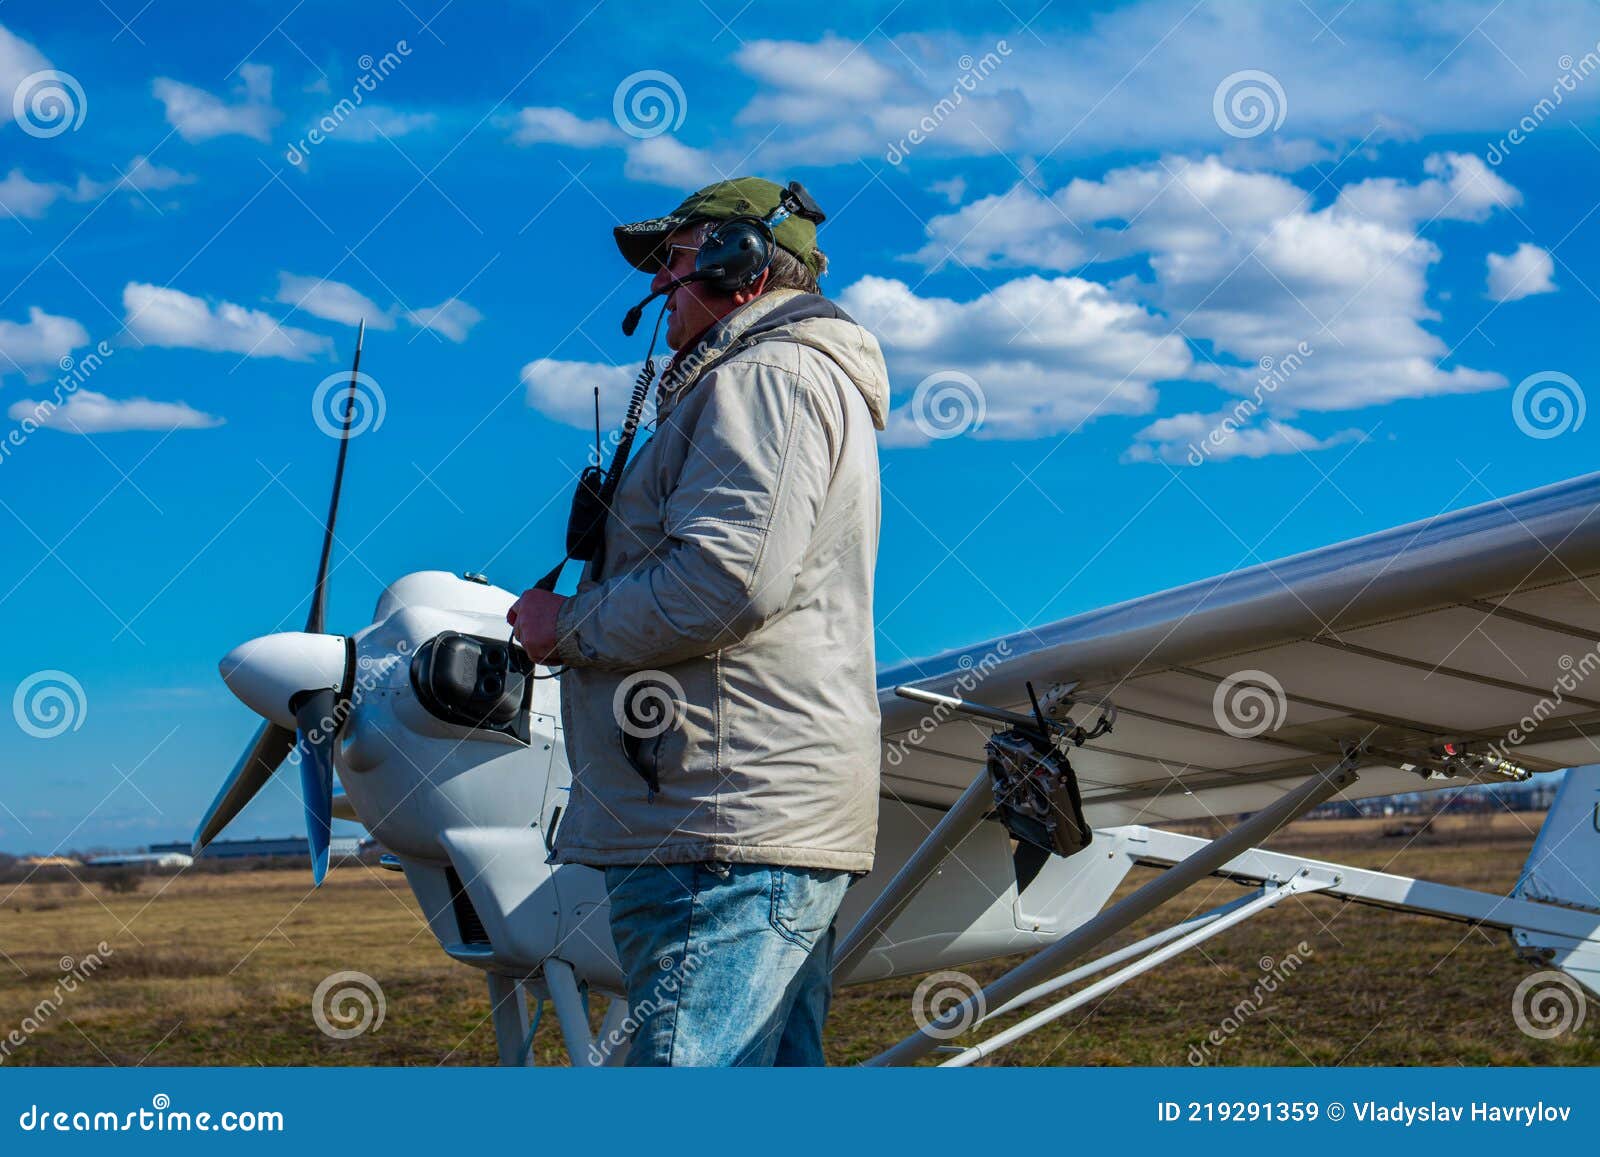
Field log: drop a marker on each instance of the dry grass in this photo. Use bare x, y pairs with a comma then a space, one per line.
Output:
219, 969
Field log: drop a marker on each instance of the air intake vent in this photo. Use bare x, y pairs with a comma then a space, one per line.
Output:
467, 922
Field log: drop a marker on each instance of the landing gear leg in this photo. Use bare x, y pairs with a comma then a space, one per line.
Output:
508, 1005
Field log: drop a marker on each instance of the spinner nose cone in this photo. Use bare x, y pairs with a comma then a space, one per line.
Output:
266, 673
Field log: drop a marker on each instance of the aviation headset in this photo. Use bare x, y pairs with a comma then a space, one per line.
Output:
736, 252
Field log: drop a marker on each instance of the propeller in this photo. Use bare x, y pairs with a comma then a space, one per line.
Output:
305, 678
267, 750
317, 715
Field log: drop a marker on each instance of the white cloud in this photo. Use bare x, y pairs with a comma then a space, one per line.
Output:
145, 176
659, 160
1193, 439
28, 347
1142, 79
372, 122
835, 100
1046, 353
564, 391
18, 59
169, 317
331, 301
1460, 187
1291, 154
1142, 76
21, 197
810, 82
952, 190
87, 412
452, 318
1521, 273
1015, 228
1241, 263
200, 116
665, 160
543, 125
818, 102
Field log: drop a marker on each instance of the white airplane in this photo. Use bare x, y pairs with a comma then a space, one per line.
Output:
1442, 653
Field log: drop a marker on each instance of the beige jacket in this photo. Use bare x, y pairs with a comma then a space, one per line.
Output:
729, 629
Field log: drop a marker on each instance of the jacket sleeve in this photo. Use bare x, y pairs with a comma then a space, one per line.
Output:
738, 523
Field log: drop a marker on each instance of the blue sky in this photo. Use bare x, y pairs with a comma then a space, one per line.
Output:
1081, 234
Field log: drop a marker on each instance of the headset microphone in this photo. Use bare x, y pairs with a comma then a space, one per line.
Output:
631, 321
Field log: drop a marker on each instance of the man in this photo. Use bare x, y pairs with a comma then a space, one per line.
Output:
719, 700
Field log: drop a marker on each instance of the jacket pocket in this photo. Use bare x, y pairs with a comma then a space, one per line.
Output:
665, 724
641, 754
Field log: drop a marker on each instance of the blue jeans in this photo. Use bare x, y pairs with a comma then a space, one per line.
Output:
726, 964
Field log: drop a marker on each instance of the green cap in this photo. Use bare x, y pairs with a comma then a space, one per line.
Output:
642, 243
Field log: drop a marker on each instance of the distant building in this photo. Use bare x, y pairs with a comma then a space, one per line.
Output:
1534, 795
50, 862
141, 860
289, 847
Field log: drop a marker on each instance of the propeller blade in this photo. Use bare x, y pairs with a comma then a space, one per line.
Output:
317, 714
319, 591
258, 679
270, 747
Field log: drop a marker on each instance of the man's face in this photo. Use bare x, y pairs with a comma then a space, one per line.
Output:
694, 308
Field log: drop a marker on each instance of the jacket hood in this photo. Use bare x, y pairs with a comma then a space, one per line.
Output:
815, 321
807, 319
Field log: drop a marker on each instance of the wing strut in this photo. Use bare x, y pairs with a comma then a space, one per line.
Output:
1047, 962
956, 825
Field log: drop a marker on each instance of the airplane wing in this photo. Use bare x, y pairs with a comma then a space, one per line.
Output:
1477, 628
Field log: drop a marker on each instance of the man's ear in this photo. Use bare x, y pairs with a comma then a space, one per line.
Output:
754, 291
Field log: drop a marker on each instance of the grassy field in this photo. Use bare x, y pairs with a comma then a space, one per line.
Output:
219, 969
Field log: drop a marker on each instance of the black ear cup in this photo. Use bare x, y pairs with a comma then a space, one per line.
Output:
740, 249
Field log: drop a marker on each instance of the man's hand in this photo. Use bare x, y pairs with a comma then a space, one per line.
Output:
534, 617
